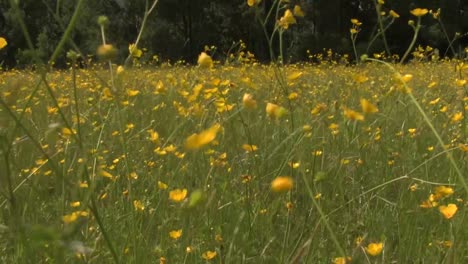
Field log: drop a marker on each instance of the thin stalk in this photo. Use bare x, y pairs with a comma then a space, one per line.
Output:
431, 126
77, 109
381, 27
413, 41
374, 38
148, 12
93, 209
68, 31
323, 217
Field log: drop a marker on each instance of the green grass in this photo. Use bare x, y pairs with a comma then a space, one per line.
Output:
363, 171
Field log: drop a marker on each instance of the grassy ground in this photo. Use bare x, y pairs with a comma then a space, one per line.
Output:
114, 179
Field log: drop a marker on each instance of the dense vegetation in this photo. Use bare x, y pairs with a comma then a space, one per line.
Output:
179, 29
109, 153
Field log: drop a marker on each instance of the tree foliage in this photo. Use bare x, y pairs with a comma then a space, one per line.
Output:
180, 29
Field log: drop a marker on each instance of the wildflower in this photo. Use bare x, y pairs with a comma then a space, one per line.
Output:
106, 174
457, 117
120, 70
249, 147
135, 51
287, 19
419, 12
360, 78
368, 107
294, 165
162, 185
70, 218
356, 22
139, 206
248, 101
106, 52
463, 147
197, 141
208, 255
178, 195
394, 14
374, 249
342, 260
442, 192
246, 178
282, 184
75, 204
293, 96
252, 3
3, 43
204, 60
448, 211
406, 78
175, 234
275, 111
153, 135
132, 93
353, 115
297, 11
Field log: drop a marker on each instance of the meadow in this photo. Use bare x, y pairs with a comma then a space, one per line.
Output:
235, 163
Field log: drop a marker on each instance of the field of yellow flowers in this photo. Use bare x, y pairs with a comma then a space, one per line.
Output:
251, 163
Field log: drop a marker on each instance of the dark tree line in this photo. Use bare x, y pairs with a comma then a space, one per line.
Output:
179, 29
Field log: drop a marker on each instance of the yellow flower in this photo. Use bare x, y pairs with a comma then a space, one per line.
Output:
120, 70
368, 107
208, 255
204, 60
394, 14
106, 52
75, 204
419, 12
442, 192
374, 249
448, 211
3, 43
356, 22
282, 184
135, 51
248, 101
457, 117
197, 141
463, 147
249, 148
253, 2
353, 115
274, 110
70, 218
287, 19
162, 185
106, 174
342, 260
139, 206
132, 93
154, 136
298, 11
175, 234
178, 195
